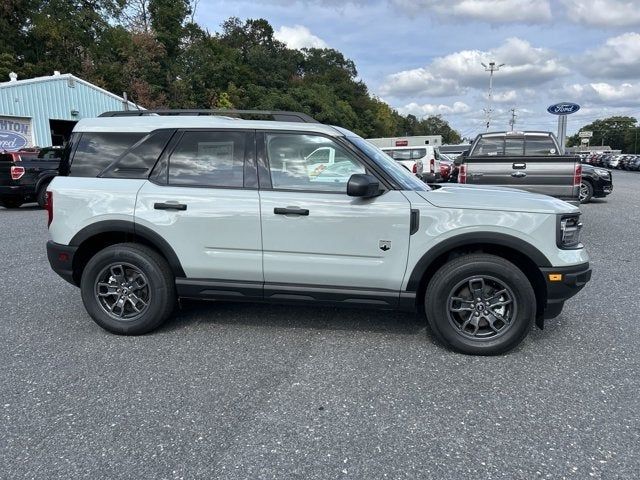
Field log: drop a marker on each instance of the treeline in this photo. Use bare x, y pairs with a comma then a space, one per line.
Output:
619, 132
154, 51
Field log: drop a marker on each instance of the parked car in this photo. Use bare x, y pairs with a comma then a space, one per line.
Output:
596, 182
25, 175
154, 207
525, 160
418, 160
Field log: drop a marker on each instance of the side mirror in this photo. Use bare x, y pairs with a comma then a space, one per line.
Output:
362, 185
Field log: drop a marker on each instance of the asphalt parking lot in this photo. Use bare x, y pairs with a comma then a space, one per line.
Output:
236, 391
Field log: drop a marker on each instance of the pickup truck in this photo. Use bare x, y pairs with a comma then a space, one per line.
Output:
25, 175
529, 161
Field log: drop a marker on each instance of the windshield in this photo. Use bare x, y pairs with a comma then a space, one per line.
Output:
401, 175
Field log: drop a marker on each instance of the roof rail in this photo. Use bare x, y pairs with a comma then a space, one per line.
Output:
277, 115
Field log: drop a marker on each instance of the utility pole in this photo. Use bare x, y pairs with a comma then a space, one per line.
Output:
492, 67
512, 122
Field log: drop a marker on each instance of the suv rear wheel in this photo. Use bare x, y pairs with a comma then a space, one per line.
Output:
480, 304
128, 289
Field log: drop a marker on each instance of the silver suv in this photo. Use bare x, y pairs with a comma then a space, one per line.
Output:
152, 206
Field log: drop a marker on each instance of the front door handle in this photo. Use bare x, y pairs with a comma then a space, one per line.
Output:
291, 211
170, 206
519, 174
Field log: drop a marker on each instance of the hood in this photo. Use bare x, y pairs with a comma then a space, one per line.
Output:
504, 199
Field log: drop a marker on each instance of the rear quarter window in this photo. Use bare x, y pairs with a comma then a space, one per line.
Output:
97, 151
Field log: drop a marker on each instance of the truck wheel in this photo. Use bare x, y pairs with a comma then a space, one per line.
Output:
128, 289
41, 196
586, 192
10, 202
480, 304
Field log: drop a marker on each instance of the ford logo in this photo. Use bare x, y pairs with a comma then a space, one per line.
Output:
563, 108
12, 141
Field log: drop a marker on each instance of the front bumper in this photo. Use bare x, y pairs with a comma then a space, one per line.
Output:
61, 260
563, 283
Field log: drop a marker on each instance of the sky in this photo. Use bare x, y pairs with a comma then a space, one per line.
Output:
425, 56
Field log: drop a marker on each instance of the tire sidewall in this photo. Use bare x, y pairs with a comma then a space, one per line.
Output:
436, 306
590, 191
160, 291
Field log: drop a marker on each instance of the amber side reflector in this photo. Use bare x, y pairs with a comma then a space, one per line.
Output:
555, 277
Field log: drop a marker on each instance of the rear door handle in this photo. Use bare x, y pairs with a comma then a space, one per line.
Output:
519, 166
170, 206
291, 211
519, 174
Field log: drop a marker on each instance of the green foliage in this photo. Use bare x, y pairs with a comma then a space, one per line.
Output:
619, 132
152, 50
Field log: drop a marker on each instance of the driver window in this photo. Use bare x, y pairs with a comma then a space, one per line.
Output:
309, 162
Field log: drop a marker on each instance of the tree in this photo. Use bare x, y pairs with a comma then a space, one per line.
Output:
617, 132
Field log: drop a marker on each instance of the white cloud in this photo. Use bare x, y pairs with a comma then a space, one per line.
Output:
508, 96
433, 109
491, 11
299, 37
619, 57
604, 13
622, 94
525, 66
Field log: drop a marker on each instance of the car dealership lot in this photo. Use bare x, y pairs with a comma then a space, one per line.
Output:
253, 391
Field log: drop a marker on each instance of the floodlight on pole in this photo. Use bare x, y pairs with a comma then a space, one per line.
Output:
492, 67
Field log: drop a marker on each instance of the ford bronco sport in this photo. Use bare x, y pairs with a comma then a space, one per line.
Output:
153, 206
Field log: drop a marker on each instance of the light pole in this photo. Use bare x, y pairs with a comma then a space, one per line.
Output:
492, 67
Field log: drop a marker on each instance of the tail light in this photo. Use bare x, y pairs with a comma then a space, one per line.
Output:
48, 205
17, 172
415, 168
432, 165
462, 174
577, 175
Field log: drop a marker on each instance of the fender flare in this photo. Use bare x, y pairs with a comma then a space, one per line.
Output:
134, 230
469, 239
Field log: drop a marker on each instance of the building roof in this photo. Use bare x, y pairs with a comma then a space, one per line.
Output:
56, 77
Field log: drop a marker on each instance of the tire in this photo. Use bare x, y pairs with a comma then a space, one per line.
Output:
517, 306
586, 192
102, 284
41, 196
11, 202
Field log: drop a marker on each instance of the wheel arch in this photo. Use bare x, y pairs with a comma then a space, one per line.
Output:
521, 253
99, 235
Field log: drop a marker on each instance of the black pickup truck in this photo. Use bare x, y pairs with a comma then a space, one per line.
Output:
25, 174
526, 160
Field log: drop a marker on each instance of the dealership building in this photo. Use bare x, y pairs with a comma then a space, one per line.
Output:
40, 112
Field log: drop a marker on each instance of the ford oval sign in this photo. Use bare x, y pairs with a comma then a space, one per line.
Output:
12, 142
563, 108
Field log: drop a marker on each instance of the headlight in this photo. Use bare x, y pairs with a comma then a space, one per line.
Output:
569, 227
601, 172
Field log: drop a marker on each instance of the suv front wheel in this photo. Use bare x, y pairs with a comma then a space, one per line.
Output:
128, 289
480, 304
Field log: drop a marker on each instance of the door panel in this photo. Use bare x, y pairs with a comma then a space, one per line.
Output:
217, 236
339, 242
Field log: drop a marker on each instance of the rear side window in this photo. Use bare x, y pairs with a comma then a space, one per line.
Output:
208, 159
96, 151
540, 146
140, 159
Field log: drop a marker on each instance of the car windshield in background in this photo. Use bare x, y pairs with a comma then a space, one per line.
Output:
400, 174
